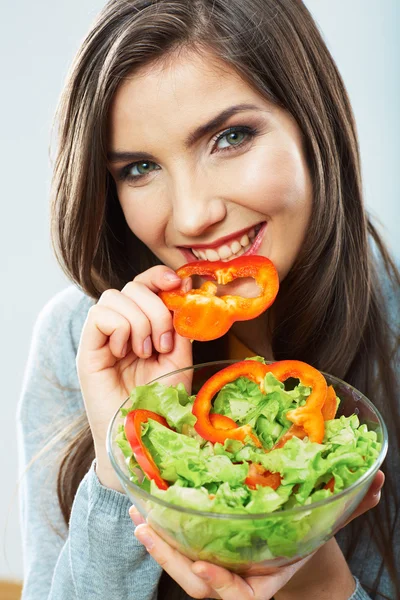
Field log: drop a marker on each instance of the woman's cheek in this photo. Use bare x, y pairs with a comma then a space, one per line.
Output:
145, 213
269, 181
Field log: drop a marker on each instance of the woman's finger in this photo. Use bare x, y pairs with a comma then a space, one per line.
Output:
103, 325
174, 563
228, 585
231, 586
159, 278
371, 498
158, 315
140, 326
136, 516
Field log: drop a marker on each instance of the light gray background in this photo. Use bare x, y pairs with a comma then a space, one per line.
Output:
37, 44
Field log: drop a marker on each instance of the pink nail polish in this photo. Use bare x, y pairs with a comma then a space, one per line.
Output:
166, 342
171, 276
147, 346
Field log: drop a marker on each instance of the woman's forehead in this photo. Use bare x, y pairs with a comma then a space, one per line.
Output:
189, 87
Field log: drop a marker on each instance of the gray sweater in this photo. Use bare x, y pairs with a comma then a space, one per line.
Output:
98, 557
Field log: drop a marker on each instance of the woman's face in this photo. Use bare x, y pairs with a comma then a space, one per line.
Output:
205, 167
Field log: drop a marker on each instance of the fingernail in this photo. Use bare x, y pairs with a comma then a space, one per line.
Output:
166, 341
201, 572
187, 284
171, 276
147, 346
144, 537
136, 516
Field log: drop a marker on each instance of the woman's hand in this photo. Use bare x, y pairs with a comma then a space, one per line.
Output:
127, 340
204, 580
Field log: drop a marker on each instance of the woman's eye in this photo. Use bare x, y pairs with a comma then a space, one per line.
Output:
233, 137
138, 170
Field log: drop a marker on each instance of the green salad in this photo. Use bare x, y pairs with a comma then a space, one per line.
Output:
211, 477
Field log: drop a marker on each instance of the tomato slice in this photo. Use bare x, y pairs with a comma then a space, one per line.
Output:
257, 475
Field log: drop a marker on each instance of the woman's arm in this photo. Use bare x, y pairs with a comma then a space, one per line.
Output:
98, 556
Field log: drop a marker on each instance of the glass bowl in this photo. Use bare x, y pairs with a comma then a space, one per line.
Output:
246, 543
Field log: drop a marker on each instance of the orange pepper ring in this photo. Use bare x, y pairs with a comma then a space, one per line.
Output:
308, 416
201, 315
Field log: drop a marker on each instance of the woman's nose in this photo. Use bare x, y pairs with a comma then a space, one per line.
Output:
196, 207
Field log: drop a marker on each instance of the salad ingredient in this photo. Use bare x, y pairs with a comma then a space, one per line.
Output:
330, 405
222, 422
133, 431
258, 475
328, 410
202, 315
308, 416
236, 477
251, 369
293, 431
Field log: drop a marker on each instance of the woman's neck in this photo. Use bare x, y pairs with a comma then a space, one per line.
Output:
255, 335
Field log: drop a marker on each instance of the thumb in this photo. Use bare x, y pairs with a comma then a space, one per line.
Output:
180, 357
182, 352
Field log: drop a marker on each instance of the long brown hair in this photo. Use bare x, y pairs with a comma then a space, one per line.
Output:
330, 311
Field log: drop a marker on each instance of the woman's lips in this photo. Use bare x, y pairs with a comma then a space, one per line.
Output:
256, 242
190, 257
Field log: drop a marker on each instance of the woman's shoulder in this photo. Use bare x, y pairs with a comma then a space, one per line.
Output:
66, 309
57, 333
50, 389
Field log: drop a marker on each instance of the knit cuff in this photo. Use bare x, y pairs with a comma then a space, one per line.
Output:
106, 500
359, 593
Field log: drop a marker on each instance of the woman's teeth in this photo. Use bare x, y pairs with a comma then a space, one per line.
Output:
227, 251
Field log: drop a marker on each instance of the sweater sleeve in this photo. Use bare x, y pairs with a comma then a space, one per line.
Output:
97, 556
359, 593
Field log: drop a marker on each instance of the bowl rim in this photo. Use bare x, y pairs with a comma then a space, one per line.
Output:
373, 469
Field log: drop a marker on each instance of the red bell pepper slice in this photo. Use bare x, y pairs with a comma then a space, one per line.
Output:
133, 432
308, 416
202, 315
252, 369
328, 410
224, 422
330, 406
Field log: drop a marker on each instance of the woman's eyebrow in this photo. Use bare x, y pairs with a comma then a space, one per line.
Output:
115, 156
197, 134
217, 121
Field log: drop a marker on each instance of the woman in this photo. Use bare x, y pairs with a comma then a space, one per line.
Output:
195, 129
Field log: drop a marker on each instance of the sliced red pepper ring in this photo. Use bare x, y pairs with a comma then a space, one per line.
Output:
308, 416
328, 410
330, 406
202, 315
133, 432
224, 422
252, 369
258, 475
